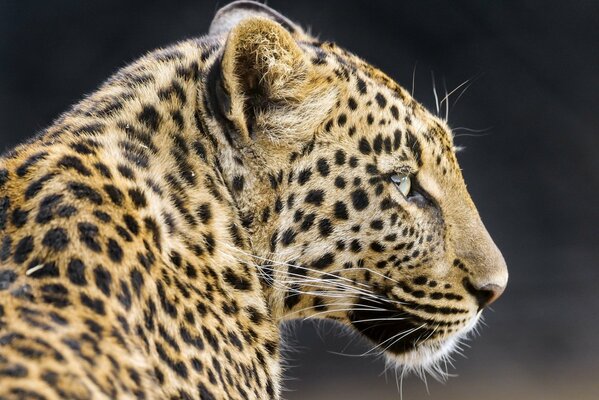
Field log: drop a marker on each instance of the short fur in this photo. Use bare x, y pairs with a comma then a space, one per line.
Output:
153, 238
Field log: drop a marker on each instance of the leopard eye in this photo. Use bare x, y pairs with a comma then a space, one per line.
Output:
403, 183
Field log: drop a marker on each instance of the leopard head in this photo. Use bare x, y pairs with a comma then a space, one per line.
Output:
350, 191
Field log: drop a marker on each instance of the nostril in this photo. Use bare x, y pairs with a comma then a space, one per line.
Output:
484, 295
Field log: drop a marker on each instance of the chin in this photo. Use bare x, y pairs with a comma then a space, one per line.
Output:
408, 346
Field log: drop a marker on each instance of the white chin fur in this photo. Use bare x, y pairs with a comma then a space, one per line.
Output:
431, 358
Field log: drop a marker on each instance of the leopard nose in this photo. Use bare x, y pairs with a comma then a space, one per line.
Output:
485, 294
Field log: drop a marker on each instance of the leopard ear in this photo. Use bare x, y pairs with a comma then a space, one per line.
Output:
267, 86
232, 14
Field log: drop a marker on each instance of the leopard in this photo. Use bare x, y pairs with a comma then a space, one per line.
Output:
154, 238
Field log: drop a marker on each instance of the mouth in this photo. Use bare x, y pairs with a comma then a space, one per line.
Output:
406, 339
392, 330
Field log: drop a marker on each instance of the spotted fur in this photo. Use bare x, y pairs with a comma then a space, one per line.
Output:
153, 238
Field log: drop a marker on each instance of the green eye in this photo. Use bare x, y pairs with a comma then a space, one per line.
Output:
403, 183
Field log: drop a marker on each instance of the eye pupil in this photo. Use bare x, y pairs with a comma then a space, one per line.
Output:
403, 183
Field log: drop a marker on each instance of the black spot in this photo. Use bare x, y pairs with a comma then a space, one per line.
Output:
378, 247
352, 103
116, 196
5, 248
341, 120
76, 272
236, 235
380, 100
387, 203
83, 191
96, 305
328, 125
308, 222
325, 227
291, 201
14, 370
304, 176
115, 252
32, 160
137, 281
377, 144
93, 128
138, 197
340, 211
131, 224
126, 171
195, 341
23, 248
56, 239
353, 162
238, 282
205, 394
85, 147
151, 226
274, 238
394, 112
204, 213
323, 167
3, 177
74, 163
88, 235
47, 208
7, 277
315, 197
339, 157
288, 237
66, 211
359, 199
361, 86
376, 224
364, 146
355, 246
176, 90
103, 279
414, 145
36, 186
324, 261
4, 206
150, 117
396, 139
340, 182
292, 297
55, 294
420, 280
102, 216
387, 142
238, 183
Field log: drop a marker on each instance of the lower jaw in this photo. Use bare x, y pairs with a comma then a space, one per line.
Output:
404, 341
399, 337
391, 330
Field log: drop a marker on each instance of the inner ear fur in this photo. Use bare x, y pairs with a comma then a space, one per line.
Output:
273, 92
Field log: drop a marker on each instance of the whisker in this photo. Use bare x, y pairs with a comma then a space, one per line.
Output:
435, 92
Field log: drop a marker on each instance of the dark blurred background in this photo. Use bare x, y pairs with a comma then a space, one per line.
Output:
529, 122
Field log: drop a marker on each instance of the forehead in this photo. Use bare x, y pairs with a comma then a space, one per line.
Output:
387, 105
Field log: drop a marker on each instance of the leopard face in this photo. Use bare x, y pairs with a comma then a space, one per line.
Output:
360, 211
